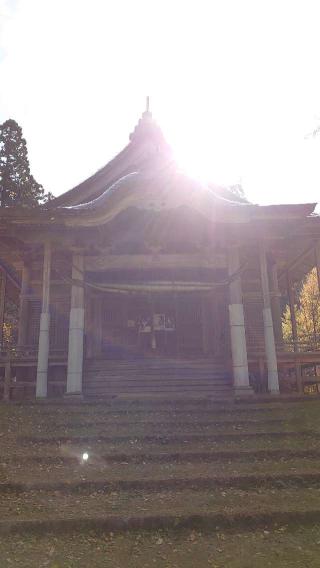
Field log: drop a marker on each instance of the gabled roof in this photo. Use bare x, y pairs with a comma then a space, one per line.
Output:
146, 143
144, 177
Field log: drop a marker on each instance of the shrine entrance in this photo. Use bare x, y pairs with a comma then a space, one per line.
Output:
142, 326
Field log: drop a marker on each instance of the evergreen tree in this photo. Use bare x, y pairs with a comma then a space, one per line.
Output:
17, 185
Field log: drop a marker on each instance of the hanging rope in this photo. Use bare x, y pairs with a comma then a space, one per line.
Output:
151, 287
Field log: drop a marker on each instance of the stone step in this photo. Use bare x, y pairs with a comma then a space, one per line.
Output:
101, 388
148, 381
165, 379
158, 372
45, 511
163, 438
140, 395
154, 408
152, 363
233, 422
74, 456
256, 542
142, 429
137, 446
162, 373
103, 524
147, 369
253, 404
158, 463
98, 473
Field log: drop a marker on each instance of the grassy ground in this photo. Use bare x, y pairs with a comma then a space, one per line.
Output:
248, 428
280, 547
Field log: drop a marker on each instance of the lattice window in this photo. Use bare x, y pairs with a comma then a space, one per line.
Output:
59, 323
254, 325
34, 312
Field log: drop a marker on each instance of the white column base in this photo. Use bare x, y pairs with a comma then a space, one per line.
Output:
243, 391
76, 396
43, 357
75, 352
271, 355
238, 347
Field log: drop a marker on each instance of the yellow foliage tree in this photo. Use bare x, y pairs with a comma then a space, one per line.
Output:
307, 310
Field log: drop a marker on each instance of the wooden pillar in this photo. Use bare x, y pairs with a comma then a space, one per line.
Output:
43, 349
292, 312
23, 308
76, 328
275, 304
177, 323
97, 325
7, 380
3, 285
237, 327
271, 355
204, 321
294, 329
89, 326
317, 259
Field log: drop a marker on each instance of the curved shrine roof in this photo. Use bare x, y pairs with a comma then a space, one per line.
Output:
143, 177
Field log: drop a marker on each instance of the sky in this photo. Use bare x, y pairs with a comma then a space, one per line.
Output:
234, 85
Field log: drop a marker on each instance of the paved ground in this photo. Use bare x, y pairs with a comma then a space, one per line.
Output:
184, 483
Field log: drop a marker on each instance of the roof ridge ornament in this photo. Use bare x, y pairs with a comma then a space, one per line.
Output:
148, 104
146, 126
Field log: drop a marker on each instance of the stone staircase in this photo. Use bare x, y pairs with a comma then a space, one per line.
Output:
71, 471
156, 377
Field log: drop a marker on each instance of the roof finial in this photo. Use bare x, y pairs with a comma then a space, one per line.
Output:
147, 104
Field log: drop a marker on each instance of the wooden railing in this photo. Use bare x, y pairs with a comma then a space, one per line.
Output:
25, 357
28, 352
302, 346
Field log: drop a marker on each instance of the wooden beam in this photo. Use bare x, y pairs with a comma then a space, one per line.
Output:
145, 261
291, 265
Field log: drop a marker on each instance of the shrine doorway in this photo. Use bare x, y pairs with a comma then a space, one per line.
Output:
139, 326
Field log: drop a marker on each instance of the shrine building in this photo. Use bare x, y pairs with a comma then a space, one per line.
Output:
142, 280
